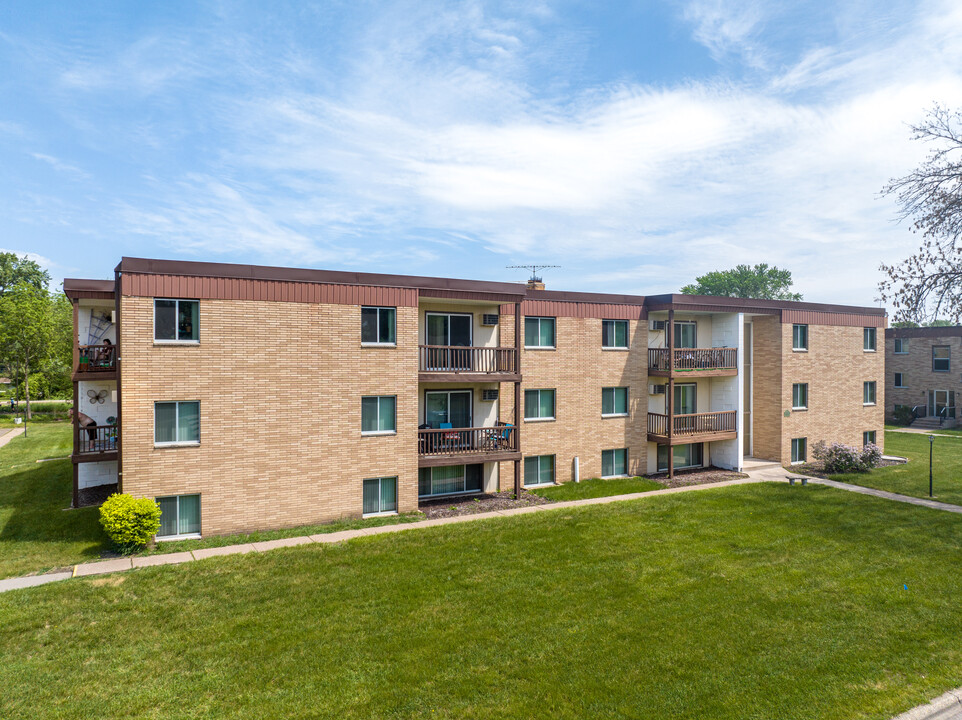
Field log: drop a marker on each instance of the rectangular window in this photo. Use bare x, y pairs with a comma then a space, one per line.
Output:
614, 463
868, 437
179, 516
799, 337
868, 393
901, 346
176, 423
685, 334
614, 401
378, 325
449, 480
539, 470
684, 456
380, 496
799, 450
176, 320
940, 358
378, 415
800, 396
868, 339
900, 380
539, 404
614, 333
539, 332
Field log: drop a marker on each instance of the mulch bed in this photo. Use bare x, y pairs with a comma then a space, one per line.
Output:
489, 502
701, 476
95, 495
815, 469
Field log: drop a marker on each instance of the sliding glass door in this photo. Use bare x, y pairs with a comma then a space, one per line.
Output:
444, 406
446, 332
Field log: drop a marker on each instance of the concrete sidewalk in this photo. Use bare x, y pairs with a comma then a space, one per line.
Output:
8, 434
920, 431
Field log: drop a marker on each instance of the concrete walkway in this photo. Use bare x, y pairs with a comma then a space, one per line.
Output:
944, 707
920, 431
8, 434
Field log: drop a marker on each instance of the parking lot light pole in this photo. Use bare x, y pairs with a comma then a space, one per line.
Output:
931, 441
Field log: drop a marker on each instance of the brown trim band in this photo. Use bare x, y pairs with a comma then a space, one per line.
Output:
809, 317
926, 332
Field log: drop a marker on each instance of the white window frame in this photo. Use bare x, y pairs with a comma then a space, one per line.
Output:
796, 348
799, 407
947, 359
804, 446
379, 308
540, 318
626, 473
866, 433
554, 470
867, 333
182, 536
627, 336
176, 341
374, 433
176, 443
900, 380
380, 513
539, 391
865, 386
627, 402
901, 346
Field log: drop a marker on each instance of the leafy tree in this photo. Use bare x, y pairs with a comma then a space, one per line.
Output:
25, 330
930, 281
931, 323
760, 281
14, 270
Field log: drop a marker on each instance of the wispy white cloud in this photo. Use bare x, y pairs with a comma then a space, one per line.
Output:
61, 166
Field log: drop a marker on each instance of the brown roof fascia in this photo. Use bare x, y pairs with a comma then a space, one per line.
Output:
926, 332
584, 297
76, 288
187, 268
713, 303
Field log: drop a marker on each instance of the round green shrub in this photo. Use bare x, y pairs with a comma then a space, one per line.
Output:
128, 521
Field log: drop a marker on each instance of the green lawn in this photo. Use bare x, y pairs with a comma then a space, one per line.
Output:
761, 601
597, 487
913, 477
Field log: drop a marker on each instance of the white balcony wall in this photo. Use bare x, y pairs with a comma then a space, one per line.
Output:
97, 410
100, 308
93, 474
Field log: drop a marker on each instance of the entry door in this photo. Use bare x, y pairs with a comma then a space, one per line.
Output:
448, 407
939, 400
449, 330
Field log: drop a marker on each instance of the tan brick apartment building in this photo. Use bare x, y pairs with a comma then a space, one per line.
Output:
244, 397
923, 373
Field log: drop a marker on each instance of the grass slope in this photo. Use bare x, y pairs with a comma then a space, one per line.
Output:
913, 477
596, 487
759, 601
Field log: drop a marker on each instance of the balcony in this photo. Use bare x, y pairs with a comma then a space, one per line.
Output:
452, 363
697, 427
98, 361
454, 446
96, 444
693, 362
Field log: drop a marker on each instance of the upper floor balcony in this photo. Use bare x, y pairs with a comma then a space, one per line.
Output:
96, 359
462, 363
455, 446
692, 428
693, 362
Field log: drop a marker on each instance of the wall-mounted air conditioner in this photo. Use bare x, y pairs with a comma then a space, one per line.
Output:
489, 319
489, 395
656, 389
656, 325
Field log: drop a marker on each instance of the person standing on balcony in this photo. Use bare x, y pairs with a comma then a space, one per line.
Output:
85, 421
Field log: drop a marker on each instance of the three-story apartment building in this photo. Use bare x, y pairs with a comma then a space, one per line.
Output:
923, 374
245, 397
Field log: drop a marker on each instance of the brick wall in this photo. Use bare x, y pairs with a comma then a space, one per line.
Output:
918, 376
578, 369
767, 387
280, 388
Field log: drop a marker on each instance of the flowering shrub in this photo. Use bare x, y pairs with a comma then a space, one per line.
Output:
129, 522
839, 458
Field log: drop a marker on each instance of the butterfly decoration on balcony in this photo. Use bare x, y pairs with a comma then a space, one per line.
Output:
97, 397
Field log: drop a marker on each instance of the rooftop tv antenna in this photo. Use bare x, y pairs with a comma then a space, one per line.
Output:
535, 278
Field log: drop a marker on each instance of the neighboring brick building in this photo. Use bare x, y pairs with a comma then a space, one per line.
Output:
923, 369
244, 397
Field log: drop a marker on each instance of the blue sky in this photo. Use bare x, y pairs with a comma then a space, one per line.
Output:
637, 145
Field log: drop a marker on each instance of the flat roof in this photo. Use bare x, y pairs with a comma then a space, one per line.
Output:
926, 332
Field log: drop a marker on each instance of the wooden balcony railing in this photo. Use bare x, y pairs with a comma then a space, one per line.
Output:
97, 439
468, 441
693, 359
457, 359
97, 358
695, 424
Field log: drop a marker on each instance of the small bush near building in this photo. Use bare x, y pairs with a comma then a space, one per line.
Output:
903, 415
839, 458
129, 522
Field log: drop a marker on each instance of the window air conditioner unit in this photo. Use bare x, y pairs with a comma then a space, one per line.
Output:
656, 325
489, 319
656, 389
489, 395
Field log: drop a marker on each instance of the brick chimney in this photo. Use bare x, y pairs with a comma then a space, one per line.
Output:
535, 284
